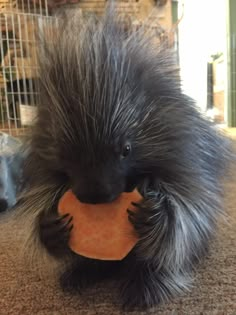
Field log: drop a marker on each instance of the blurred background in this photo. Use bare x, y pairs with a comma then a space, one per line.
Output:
202, 33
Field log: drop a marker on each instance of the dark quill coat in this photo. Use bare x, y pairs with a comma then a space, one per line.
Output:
112, 116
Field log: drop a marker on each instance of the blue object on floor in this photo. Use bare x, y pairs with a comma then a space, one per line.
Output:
10, 170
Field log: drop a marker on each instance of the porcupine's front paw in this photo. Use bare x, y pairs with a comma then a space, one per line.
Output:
54, 233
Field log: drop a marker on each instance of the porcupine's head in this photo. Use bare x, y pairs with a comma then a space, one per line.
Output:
101, 91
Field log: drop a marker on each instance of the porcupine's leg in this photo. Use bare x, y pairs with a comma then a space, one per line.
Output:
173, 236
85, 272
54, 233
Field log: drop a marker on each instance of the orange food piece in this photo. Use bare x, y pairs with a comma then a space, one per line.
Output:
101, 231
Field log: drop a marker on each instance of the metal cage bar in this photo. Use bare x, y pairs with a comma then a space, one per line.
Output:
18, 61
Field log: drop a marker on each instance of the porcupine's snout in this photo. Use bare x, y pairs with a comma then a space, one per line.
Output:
95, 194
98, 187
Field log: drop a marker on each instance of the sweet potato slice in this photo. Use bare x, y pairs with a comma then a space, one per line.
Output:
101, 231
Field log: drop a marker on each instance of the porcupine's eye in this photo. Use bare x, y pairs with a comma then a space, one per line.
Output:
126, 150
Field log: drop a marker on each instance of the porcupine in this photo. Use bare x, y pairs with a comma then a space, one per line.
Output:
112, 116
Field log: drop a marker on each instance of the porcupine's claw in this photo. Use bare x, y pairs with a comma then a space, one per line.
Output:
130, 215
133, 214
54, 233
133, 218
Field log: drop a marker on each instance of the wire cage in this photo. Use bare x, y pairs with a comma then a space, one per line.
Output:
19, 22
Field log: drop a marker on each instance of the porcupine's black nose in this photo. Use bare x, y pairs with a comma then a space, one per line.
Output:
95, 198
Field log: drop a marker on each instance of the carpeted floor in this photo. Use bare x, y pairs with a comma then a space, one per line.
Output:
24, 292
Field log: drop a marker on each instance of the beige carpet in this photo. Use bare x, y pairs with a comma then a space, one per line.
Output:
24, 292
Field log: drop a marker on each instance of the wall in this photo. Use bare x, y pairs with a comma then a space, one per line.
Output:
231, 41
202, 32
